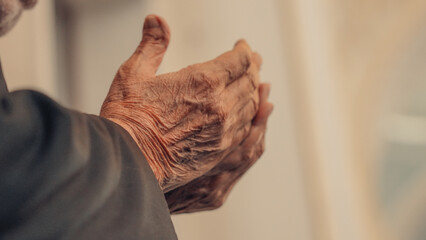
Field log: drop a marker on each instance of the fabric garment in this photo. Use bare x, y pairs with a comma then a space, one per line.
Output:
69, 175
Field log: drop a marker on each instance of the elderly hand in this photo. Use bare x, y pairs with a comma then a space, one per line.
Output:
210, 191
187, 121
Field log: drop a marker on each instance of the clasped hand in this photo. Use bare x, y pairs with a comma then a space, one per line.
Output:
199, 128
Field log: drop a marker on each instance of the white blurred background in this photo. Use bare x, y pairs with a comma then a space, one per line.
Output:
346, 147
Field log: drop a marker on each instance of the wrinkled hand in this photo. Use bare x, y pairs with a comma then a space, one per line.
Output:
210, 191
187, 121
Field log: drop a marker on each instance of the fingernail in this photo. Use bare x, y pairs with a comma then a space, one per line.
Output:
151, 21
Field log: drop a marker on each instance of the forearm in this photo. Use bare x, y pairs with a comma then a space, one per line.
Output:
55, 160
151, 146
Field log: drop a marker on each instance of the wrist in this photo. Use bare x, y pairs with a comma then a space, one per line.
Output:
151, 145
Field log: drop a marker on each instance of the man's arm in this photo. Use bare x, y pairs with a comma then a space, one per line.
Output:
68, 174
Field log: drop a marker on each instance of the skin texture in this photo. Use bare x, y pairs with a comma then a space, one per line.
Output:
210, 191
188, 121
10, 11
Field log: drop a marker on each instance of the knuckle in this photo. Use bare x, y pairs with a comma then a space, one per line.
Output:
248, 154
242, 134
218, 203
236, 68
218, 114
211, 199
225, 143
124, 70
260, 150
257, 58
203, 81
253, 80
217, 199
245, 60
155, 35
246, 131
129, 66
250, 109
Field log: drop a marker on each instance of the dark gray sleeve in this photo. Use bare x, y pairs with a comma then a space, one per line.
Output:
68, 175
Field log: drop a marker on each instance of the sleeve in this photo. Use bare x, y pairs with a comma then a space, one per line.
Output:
68, 175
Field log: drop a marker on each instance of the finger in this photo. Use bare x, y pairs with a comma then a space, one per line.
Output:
265, 108
245, 89
257, 60
259, 124
245, 155
241, 92
264, 90
255, 111
151, 50
233, 64
240, 135
233, 154
242, 162
252, 156
243, 115
250, 149
251, 139
253, 152
263, 114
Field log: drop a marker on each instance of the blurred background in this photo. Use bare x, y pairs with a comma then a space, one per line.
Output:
346, 148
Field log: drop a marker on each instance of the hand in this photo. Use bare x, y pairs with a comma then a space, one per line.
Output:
211, 190
187, 121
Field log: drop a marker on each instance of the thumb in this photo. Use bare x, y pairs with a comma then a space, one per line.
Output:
150, 52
